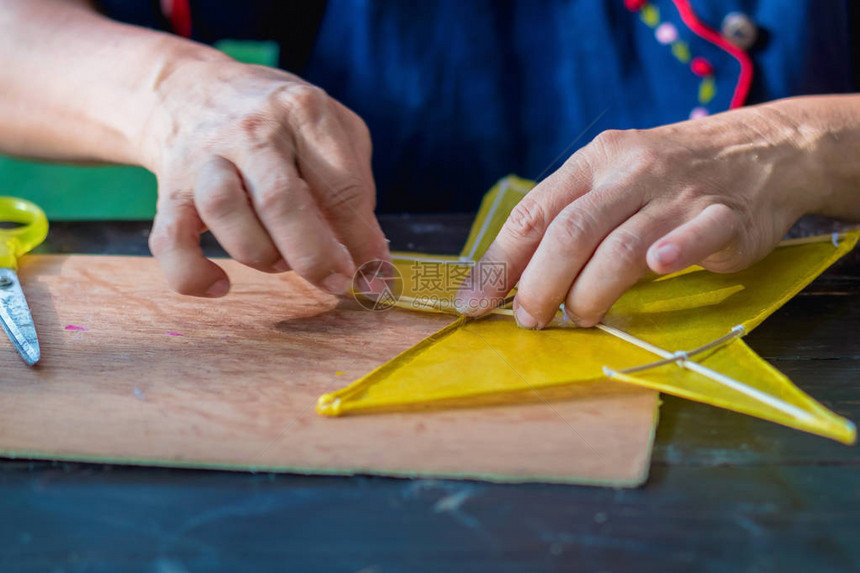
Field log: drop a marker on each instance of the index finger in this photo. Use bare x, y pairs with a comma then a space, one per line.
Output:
290, 215
519, 237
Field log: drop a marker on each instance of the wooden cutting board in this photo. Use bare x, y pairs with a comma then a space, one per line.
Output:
133, 373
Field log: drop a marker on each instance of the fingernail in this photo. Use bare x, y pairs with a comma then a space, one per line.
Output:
470, 302
345, 254
281, 266
372, 286
375, 277
577, 321
461, 301
386, 251
667, 254
218, 289
337, 283
524, 319
464, 307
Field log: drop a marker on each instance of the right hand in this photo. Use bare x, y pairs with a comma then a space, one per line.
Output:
277, 170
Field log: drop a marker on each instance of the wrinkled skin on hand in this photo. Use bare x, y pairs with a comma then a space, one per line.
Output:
719, 192
277, 170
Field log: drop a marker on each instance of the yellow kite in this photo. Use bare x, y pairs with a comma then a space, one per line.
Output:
679, 334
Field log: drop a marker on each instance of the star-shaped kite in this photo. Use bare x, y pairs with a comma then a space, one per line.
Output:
679, 334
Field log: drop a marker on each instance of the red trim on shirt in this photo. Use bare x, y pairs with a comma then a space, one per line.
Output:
742, 88
178, 12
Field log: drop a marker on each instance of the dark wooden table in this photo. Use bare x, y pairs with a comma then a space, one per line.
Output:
726, 493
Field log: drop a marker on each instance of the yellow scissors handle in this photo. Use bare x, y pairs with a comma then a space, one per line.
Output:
32, 230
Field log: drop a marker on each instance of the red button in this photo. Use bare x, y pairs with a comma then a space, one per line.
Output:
701, 67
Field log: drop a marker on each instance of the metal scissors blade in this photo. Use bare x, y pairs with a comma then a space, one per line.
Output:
16, 317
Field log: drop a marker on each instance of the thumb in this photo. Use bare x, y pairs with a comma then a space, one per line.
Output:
710, 232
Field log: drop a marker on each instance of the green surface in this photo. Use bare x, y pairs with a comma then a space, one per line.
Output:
251, 52
69, 193
72, 193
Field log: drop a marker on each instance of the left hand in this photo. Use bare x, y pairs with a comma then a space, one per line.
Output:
719, 192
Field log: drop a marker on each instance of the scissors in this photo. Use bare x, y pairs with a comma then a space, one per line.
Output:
30, 230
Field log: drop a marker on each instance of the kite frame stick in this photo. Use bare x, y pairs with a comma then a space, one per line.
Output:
704, 371
682, 359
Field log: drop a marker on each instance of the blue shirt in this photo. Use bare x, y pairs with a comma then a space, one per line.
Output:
459, 93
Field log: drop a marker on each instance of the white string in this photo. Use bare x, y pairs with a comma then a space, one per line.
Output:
706, 372
684, 355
